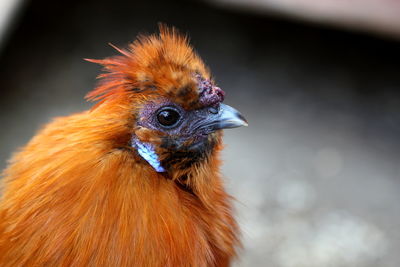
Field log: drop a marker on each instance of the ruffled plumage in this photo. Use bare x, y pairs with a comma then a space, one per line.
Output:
79, 195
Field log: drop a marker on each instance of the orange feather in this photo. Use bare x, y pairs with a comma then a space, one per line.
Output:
79, 195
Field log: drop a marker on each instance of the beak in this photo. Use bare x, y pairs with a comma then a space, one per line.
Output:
225, 117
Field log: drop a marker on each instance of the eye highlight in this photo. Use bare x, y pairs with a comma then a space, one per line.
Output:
168, 117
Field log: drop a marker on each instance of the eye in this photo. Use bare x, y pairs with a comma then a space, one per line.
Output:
168, 117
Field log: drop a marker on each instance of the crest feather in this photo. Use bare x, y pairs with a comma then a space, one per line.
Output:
159, 63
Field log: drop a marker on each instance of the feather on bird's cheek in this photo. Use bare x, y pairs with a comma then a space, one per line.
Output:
147, 152
149, 135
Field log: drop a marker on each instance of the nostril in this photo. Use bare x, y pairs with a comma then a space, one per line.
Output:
213, 110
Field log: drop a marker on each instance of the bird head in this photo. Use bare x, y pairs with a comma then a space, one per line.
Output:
169, 108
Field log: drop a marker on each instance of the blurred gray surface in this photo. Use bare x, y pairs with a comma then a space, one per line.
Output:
316, 174
380, 16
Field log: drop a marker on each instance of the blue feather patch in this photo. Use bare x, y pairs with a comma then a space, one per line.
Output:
146, 150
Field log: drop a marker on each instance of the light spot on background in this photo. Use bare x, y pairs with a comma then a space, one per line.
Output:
295, 195
328, 162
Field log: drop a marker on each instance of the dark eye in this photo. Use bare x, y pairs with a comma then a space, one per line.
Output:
168, 117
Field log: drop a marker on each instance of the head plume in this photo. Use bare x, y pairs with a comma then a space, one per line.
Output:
163, 64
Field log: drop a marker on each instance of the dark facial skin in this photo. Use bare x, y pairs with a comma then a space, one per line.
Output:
184, 137
190, 125
181, 136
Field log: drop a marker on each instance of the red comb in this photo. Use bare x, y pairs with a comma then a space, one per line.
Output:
210, 94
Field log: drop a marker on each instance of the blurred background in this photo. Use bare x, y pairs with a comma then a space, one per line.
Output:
316, 175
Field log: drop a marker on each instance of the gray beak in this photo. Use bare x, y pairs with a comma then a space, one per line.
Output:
225, 117
230, 117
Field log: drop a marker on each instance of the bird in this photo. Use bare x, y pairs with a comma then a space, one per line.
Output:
133, 181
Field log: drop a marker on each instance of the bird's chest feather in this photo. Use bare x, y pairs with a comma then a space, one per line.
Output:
116, 213
168, 226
